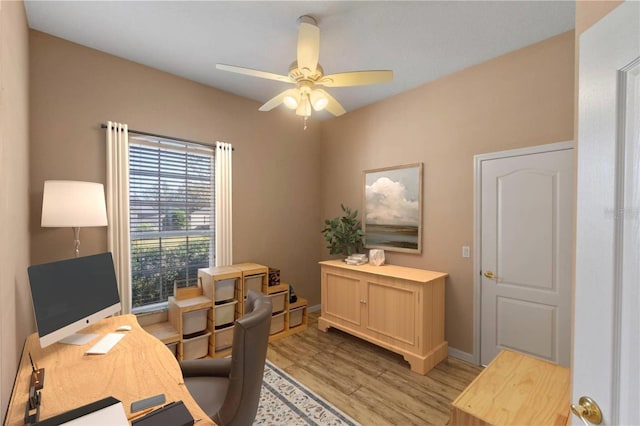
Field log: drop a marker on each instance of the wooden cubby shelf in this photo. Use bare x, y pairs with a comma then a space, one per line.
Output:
219, 288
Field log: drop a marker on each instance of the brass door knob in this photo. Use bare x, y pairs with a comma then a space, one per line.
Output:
490, 275
588, 411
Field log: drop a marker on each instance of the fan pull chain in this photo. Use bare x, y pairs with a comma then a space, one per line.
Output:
305, 123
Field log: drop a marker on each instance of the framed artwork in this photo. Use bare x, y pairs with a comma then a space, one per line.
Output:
392, 217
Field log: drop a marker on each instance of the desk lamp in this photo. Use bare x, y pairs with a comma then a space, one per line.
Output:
73, 204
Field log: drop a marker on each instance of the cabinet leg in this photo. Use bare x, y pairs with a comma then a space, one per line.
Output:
422, 365
322, 325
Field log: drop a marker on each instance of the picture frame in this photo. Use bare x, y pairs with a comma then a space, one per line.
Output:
392, 213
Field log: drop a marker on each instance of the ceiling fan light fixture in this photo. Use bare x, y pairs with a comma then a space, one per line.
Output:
304, 109
318, 100
290, 102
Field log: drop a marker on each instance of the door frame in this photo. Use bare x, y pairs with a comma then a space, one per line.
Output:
477, 225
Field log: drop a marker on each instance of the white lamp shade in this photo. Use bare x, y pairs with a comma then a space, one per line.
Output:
67, 203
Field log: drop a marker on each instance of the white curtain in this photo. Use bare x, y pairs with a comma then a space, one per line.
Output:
118, 208
224, 235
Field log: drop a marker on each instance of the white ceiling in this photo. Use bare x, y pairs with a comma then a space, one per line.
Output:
419, 40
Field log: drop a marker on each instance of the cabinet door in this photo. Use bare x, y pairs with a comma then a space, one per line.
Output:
341, 298
392, 313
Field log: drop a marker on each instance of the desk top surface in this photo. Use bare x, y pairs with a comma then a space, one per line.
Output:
517, 389
138, 367
392, 271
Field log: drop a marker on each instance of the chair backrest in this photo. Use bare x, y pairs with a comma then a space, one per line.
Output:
248, 354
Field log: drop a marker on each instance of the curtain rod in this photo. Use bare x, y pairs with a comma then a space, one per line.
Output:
155, 135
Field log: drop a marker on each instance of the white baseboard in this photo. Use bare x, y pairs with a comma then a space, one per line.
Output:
464, 356
314, 308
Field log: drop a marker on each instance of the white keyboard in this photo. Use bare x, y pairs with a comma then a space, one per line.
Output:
105, 344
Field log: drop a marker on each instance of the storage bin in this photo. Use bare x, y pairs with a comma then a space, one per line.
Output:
172, 347
194, 321
225, 313
196, 347
253, 282
277, 323
295, 316
224, 289
277, 302
224, 338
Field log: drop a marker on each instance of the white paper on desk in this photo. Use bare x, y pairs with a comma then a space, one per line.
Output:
113, 415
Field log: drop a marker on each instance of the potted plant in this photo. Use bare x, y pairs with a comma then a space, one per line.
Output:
344, 234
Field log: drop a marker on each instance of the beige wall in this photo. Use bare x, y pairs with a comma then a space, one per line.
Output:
275, 170
590, 12
524, 98
15, 300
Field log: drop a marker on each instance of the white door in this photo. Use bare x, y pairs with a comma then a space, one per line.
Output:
526, 253
606, 343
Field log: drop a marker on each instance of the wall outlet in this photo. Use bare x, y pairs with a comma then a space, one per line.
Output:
465, 251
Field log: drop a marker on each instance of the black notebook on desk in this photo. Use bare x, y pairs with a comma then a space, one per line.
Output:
173, 414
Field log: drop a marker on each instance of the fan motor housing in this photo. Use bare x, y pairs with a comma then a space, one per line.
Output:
297, 74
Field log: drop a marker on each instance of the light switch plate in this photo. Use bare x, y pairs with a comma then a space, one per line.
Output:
465, 251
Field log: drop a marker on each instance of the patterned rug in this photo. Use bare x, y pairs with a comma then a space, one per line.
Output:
285, 401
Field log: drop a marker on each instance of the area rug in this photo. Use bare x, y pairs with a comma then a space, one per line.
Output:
285, 401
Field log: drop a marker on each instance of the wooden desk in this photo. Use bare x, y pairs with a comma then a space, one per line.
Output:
515, 389
139, 366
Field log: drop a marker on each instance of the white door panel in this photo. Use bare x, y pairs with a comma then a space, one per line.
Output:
526, 243
526, 228
606, 348
527, 327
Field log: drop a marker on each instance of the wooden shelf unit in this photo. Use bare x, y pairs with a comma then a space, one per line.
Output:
166, 333
204, 297
208, 277
302, 304
177, 309
249, 272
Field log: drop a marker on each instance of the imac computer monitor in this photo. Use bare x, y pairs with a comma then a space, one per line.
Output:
69, 295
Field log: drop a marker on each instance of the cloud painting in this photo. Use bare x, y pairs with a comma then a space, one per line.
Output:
392, 214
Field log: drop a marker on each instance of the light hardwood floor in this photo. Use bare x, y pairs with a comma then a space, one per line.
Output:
372, 385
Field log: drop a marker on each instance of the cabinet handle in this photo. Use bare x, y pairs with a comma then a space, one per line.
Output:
362, 301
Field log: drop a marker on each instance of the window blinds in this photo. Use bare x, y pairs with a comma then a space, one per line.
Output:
171, 198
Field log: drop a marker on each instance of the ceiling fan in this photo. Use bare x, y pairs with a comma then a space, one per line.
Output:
308, 76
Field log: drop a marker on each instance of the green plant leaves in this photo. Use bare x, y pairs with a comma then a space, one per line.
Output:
344, 234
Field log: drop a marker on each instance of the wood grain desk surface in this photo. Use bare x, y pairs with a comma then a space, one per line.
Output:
515, 389
139, 366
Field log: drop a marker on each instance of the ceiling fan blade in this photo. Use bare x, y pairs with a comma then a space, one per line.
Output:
278, 99
273, 102
308, 45
356, 78
333, 106
255, 73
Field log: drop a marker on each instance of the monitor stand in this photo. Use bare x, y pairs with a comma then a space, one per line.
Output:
78, 339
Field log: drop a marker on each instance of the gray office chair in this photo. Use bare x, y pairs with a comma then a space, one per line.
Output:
228, 389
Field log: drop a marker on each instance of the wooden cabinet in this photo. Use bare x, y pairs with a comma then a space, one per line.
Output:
515, 389
398, 308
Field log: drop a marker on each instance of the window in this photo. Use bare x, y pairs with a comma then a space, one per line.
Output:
171, 202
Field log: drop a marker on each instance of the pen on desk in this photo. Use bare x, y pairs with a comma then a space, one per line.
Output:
140, 414
150, 409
